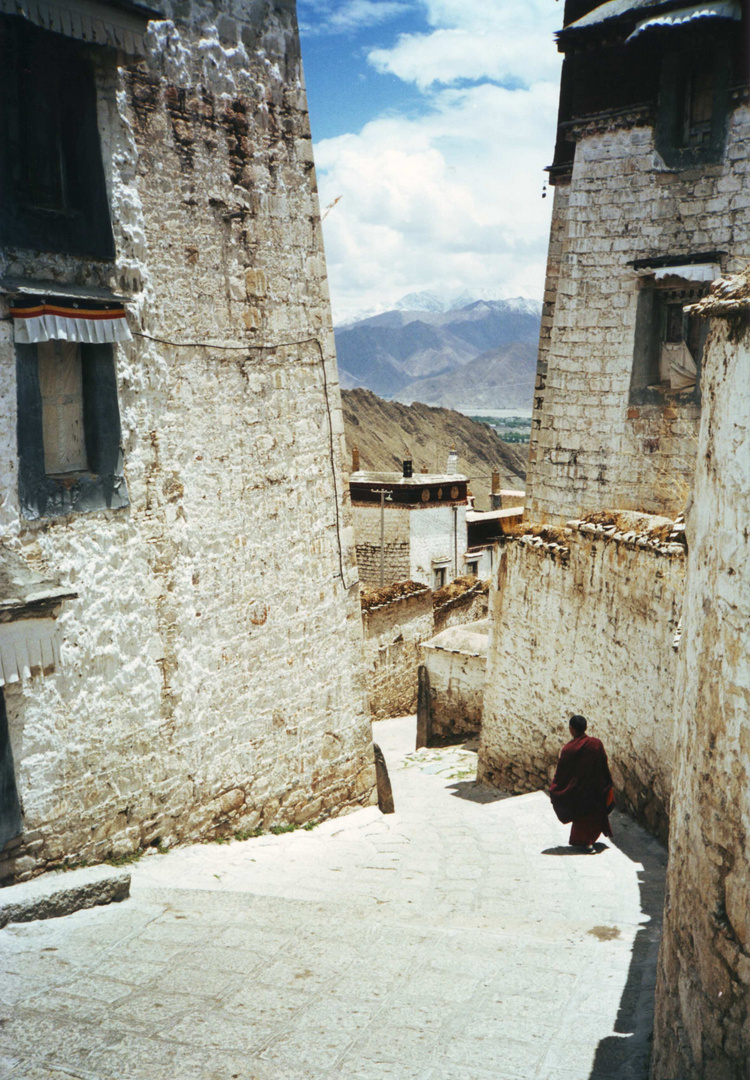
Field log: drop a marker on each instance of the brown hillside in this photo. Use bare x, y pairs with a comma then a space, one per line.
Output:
386, 432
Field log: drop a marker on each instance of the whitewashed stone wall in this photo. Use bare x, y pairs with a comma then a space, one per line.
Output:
590, 448
396, 563
212, 674
397, 620
432, 537
484, 564
703, 991
413, 539
456, 663
583, 621
394, 630
465, 600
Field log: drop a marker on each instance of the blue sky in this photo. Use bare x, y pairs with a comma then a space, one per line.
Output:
344, 90
432, 122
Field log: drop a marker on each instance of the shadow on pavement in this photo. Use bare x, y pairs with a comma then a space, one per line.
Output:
627, 1055
565, 849
476, 792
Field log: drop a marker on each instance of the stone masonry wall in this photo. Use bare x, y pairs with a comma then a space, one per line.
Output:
437, 532
397, 619
702, 1029
456, 664
583, 621
395, 544
465, 600
211, 672
591, 448
393, 632
555, 250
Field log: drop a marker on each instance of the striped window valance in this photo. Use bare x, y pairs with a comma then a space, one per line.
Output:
67, 321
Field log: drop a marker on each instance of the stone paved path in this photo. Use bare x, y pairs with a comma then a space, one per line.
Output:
454, 940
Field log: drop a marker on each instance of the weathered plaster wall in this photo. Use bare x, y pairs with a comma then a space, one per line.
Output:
397, 619
432, 537
583, 621
465, 600
557, 234
396, 563
212, 674
703, 992
590, 448
393, 632
480, 558
456, 663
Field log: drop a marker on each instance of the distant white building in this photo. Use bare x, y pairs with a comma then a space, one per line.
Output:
421, 527
409, 527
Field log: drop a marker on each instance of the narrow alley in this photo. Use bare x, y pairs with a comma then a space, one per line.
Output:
457, 938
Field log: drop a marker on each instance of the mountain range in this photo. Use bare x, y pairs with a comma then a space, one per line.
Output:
480, 354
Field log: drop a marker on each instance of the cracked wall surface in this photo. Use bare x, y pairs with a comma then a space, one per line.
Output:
583, 620
703, 992
212, 671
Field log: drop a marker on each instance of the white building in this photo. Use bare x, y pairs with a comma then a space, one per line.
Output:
171, 437
409, 527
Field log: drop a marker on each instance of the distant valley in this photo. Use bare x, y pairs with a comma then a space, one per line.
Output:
478, 355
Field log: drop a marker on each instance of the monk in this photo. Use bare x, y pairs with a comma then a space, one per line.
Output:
582, 791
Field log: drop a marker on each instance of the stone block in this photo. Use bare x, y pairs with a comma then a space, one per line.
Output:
255, 282
57, 894
385, 793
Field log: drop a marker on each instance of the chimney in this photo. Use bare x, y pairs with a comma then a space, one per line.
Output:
355, 459
452, 467
408, 468
496, 499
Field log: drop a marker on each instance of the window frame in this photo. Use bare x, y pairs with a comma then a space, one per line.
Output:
678, 68
102, 485
63, 68
654, 298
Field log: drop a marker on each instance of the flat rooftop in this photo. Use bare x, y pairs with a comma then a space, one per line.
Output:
417, 480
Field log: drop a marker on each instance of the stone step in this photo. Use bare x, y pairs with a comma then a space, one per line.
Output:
63, 892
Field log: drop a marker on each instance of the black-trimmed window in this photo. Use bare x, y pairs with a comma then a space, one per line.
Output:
10, 806
693, 107
53, 195
69, 451
668, 345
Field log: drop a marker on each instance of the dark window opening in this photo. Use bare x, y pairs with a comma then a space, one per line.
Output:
693, 108
10, 806
68, 429
53, 194
439, 577
697, 108
668, 346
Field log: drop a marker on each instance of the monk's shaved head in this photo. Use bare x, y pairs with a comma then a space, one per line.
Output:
578, 724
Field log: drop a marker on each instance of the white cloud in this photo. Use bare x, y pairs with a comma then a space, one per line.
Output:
318, 16
504, 41
449, 200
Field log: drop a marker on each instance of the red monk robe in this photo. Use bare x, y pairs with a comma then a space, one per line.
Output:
582, 791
